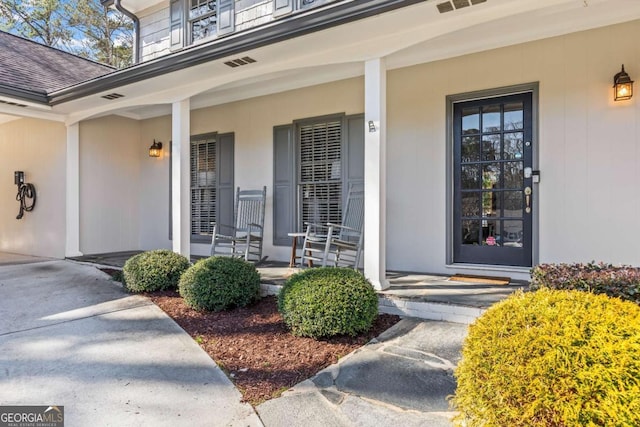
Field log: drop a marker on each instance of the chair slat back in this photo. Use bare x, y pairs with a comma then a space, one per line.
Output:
250, 206
353, 215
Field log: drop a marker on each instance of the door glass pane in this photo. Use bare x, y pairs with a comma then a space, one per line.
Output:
470, 177
513, 117
490, 175
512, 234
491, 118
470, 120
513, 145
490, 203
491, 147
513, 175
471, 204
489, 232
470, 149
470, 232
513, 204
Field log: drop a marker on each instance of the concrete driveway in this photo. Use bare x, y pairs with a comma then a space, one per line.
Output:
70, 336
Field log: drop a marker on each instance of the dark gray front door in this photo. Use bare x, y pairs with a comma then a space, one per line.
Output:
493, 186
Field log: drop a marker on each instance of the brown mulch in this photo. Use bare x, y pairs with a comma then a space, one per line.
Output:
253, 346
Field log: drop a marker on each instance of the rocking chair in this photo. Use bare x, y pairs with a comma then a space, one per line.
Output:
243, 238
338, 245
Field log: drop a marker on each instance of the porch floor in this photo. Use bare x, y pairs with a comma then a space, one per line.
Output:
422, 295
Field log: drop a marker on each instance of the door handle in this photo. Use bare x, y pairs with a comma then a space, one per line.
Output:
527, 198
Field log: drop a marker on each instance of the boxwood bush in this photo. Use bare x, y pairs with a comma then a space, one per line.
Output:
220, 283
552, 358
154, 270
328, 301
615, 281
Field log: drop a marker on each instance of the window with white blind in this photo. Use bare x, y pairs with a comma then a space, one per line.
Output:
316, 160
203, 184
320, 172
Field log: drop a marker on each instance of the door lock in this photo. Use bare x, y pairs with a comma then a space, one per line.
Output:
527, 197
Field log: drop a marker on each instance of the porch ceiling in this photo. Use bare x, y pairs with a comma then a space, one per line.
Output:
407, 36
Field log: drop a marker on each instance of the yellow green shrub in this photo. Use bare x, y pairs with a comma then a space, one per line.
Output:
552, 358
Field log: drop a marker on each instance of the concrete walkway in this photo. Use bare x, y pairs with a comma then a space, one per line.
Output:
403, 379
70, 336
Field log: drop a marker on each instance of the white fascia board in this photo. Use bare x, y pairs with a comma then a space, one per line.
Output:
28, 112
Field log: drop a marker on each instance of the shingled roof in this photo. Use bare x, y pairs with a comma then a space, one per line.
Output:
30, 67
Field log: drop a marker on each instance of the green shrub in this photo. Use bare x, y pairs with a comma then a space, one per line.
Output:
614, 281
328, 301
154, 270
220, 283
552, 358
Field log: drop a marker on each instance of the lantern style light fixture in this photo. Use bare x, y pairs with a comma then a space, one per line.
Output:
156, 149
622, 86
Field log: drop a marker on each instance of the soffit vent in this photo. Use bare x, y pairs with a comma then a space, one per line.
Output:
240, 62
15, 104
112, 96
452, 5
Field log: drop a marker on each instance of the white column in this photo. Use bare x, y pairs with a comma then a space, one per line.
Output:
180, 189
72, 245
375, 172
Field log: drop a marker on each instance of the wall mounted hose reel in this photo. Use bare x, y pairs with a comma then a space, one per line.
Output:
26, 194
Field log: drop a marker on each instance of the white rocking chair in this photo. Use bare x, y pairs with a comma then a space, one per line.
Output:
244, 238
338, 245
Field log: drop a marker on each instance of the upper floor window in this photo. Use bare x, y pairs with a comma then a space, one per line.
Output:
203, 19
194, 20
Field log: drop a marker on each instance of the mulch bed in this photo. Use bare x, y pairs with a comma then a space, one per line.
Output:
255, 349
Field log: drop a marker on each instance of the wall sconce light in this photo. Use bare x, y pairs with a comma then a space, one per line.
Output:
622, 86
372, 126
156, 149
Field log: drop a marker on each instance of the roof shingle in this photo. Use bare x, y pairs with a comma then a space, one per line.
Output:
30, 66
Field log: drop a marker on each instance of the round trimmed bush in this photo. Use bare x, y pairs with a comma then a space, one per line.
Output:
154, 270
552, 358
328, 301
220, 283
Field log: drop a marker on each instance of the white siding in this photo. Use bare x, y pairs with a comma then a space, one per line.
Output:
36, 147
154, 34
111, 157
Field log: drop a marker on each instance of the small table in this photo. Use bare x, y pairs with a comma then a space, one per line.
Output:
294, 247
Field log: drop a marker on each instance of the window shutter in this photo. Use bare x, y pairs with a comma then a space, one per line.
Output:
176, 26
282, 7
283, 185
225, 202
355, 153
226, 16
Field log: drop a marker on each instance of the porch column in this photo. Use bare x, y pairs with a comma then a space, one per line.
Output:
375, 172
180, 186
72, 244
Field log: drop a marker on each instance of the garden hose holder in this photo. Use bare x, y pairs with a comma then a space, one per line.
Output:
26, 192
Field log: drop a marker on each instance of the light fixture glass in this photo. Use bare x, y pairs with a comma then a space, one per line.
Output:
156, 149
622, 86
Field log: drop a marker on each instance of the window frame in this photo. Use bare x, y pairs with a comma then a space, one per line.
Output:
190, 21
206, 138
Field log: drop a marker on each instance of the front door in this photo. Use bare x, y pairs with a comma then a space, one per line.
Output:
493, 185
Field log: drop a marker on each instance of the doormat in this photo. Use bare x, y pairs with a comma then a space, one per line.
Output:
480, 279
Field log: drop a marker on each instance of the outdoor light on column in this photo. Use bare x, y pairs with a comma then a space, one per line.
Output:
156, 149
622, 86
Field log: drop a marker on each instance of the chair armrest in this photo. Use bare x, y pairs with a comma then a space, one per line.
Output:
253, 224
344, 227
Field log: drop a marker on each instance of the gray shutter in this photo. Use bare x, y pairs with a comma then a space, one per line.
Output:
283, 185
226, 16
354, 173
176, 24
282, 7
224, 167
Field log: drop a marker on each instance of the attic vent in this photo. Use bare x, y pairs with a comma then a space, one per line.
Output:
449, 6
240, 61
112, 96
15, 104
